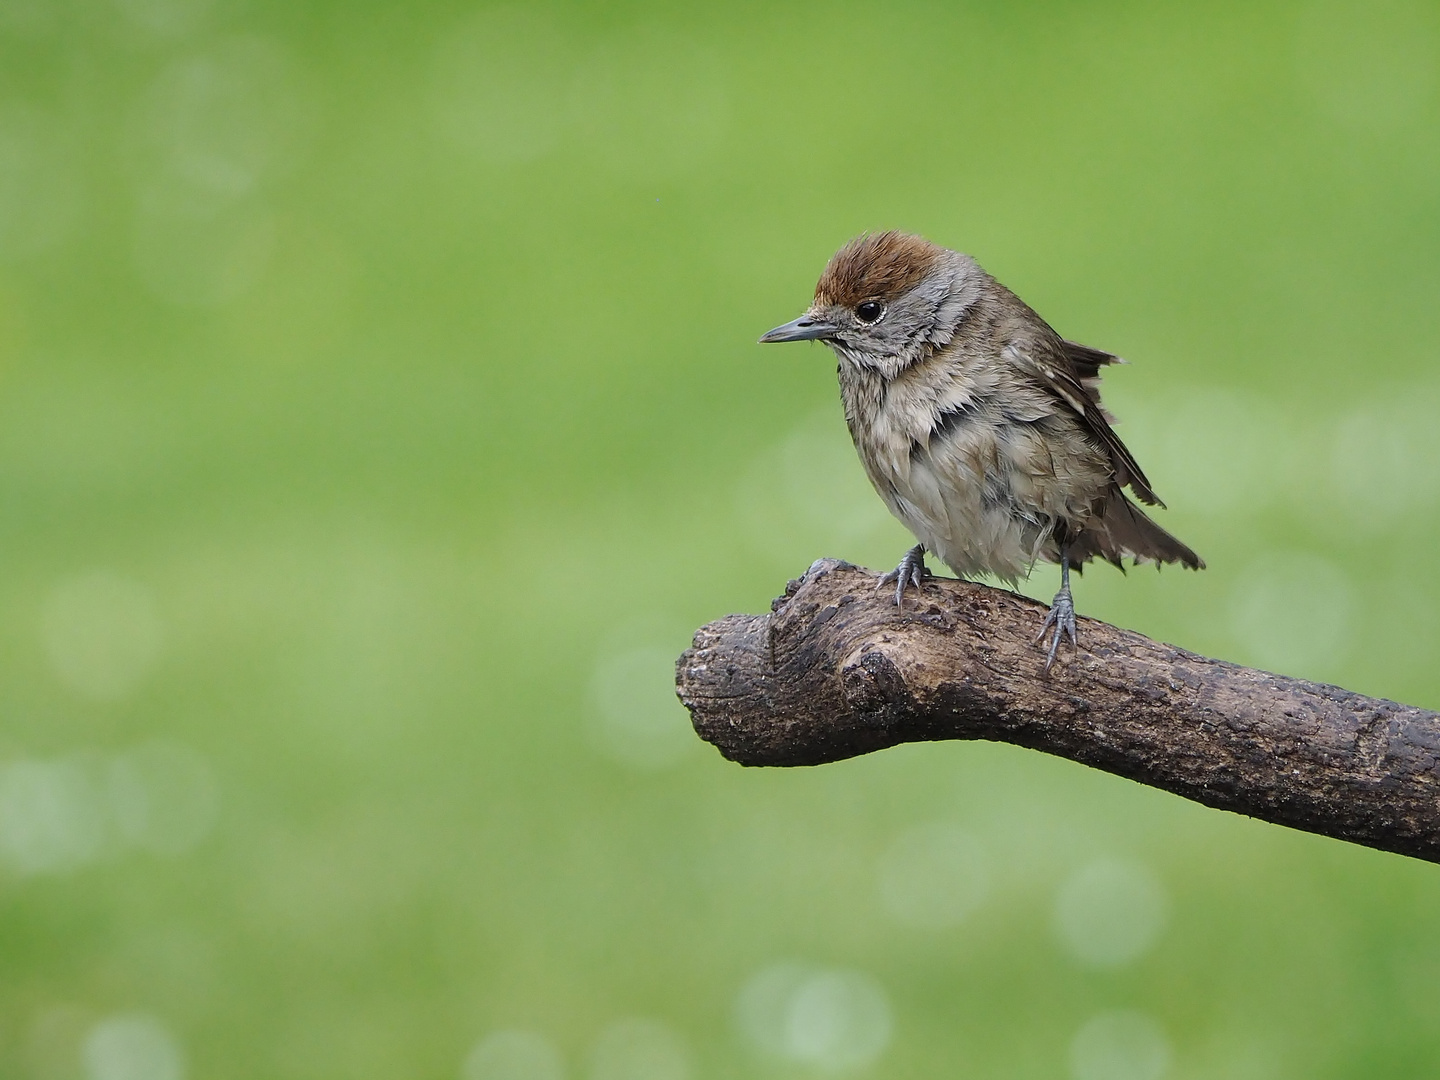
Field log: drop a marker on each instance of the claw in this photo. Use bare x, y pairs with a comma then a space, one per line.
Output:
1062, 619
911, 571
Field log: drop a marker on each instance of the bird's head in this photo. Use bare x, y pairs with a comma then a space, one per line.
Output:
887, 300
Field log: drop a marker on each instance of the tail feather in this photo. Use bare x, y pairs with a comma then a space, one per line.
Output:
1122, 529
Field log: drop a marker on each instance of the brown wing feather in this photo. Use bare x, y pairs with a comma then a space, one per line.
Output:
1086, 361
1121, 528
1070, 371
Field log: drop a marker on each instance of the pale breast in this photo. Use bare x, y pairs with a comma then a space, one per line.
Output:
980, 483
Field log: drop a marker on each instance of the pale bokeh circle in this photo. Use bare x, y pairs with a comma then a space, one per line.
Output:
1385, 461
831, 1020
165, 18
52, 815
217, 124
1110, 912
514, 1055
1120, 1045
132, 1046
838, 1021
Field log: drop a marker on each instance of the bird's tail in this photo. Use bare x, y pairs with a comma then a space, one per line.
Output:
1121, 529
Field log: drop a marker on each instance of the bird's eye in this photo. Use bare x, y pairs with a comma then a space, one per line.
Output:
869, 311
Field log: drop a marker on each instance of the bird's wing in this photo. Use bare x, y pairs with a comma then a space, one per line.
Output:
1121, 528
1071, 373
1087, 362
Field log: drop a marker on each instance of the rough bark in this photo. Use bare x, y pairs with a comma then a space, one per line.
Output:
837, 670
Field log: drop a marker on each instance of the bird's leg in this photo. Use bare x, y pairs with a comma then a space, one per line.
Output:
911, 571
1061, 618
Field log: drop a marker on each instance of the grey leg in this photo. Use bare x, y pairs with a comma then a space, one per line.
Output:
911, 571
1062, 613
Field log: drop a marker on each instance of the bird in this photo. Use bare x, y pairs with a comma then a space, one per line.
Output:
978, 425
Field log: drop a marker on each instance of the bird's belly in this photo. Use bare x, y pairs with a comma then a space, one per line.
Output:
984, 493
974, 520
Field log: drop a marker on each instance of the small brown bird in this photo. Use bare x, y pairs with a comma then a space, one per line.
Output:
979, 426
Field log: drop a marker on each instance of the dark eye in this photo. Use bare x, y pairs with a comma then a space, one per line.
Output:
869, 311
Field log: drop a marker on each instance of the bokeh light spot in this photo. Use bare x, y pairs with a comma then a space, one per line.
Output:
831, 1020
1386, 461
514, 1055
103, 634
214, 128
132, 1046
933, 876
165, 18
1110, 912
215, 125
640, 1049
763, 1007
52, 815
1120, 1045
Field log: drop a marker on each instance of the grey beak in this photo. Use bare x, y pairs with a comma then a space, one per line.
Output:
805, 328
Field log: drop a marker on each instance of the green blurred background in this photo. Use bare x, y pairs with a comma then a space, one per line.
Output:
380, 412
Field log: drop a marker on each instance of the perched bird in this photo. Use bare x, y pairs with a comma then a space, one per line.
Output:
979, 426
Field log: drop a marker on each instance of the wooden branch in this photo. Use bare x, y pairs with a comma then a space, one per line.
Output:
836, 670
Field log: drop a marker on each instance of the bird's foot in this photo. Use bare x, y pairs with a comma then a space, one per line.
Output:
911, 571
1060, 622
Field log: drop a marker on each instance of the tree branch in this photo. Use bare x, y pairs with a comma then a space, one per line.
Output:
836, 670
